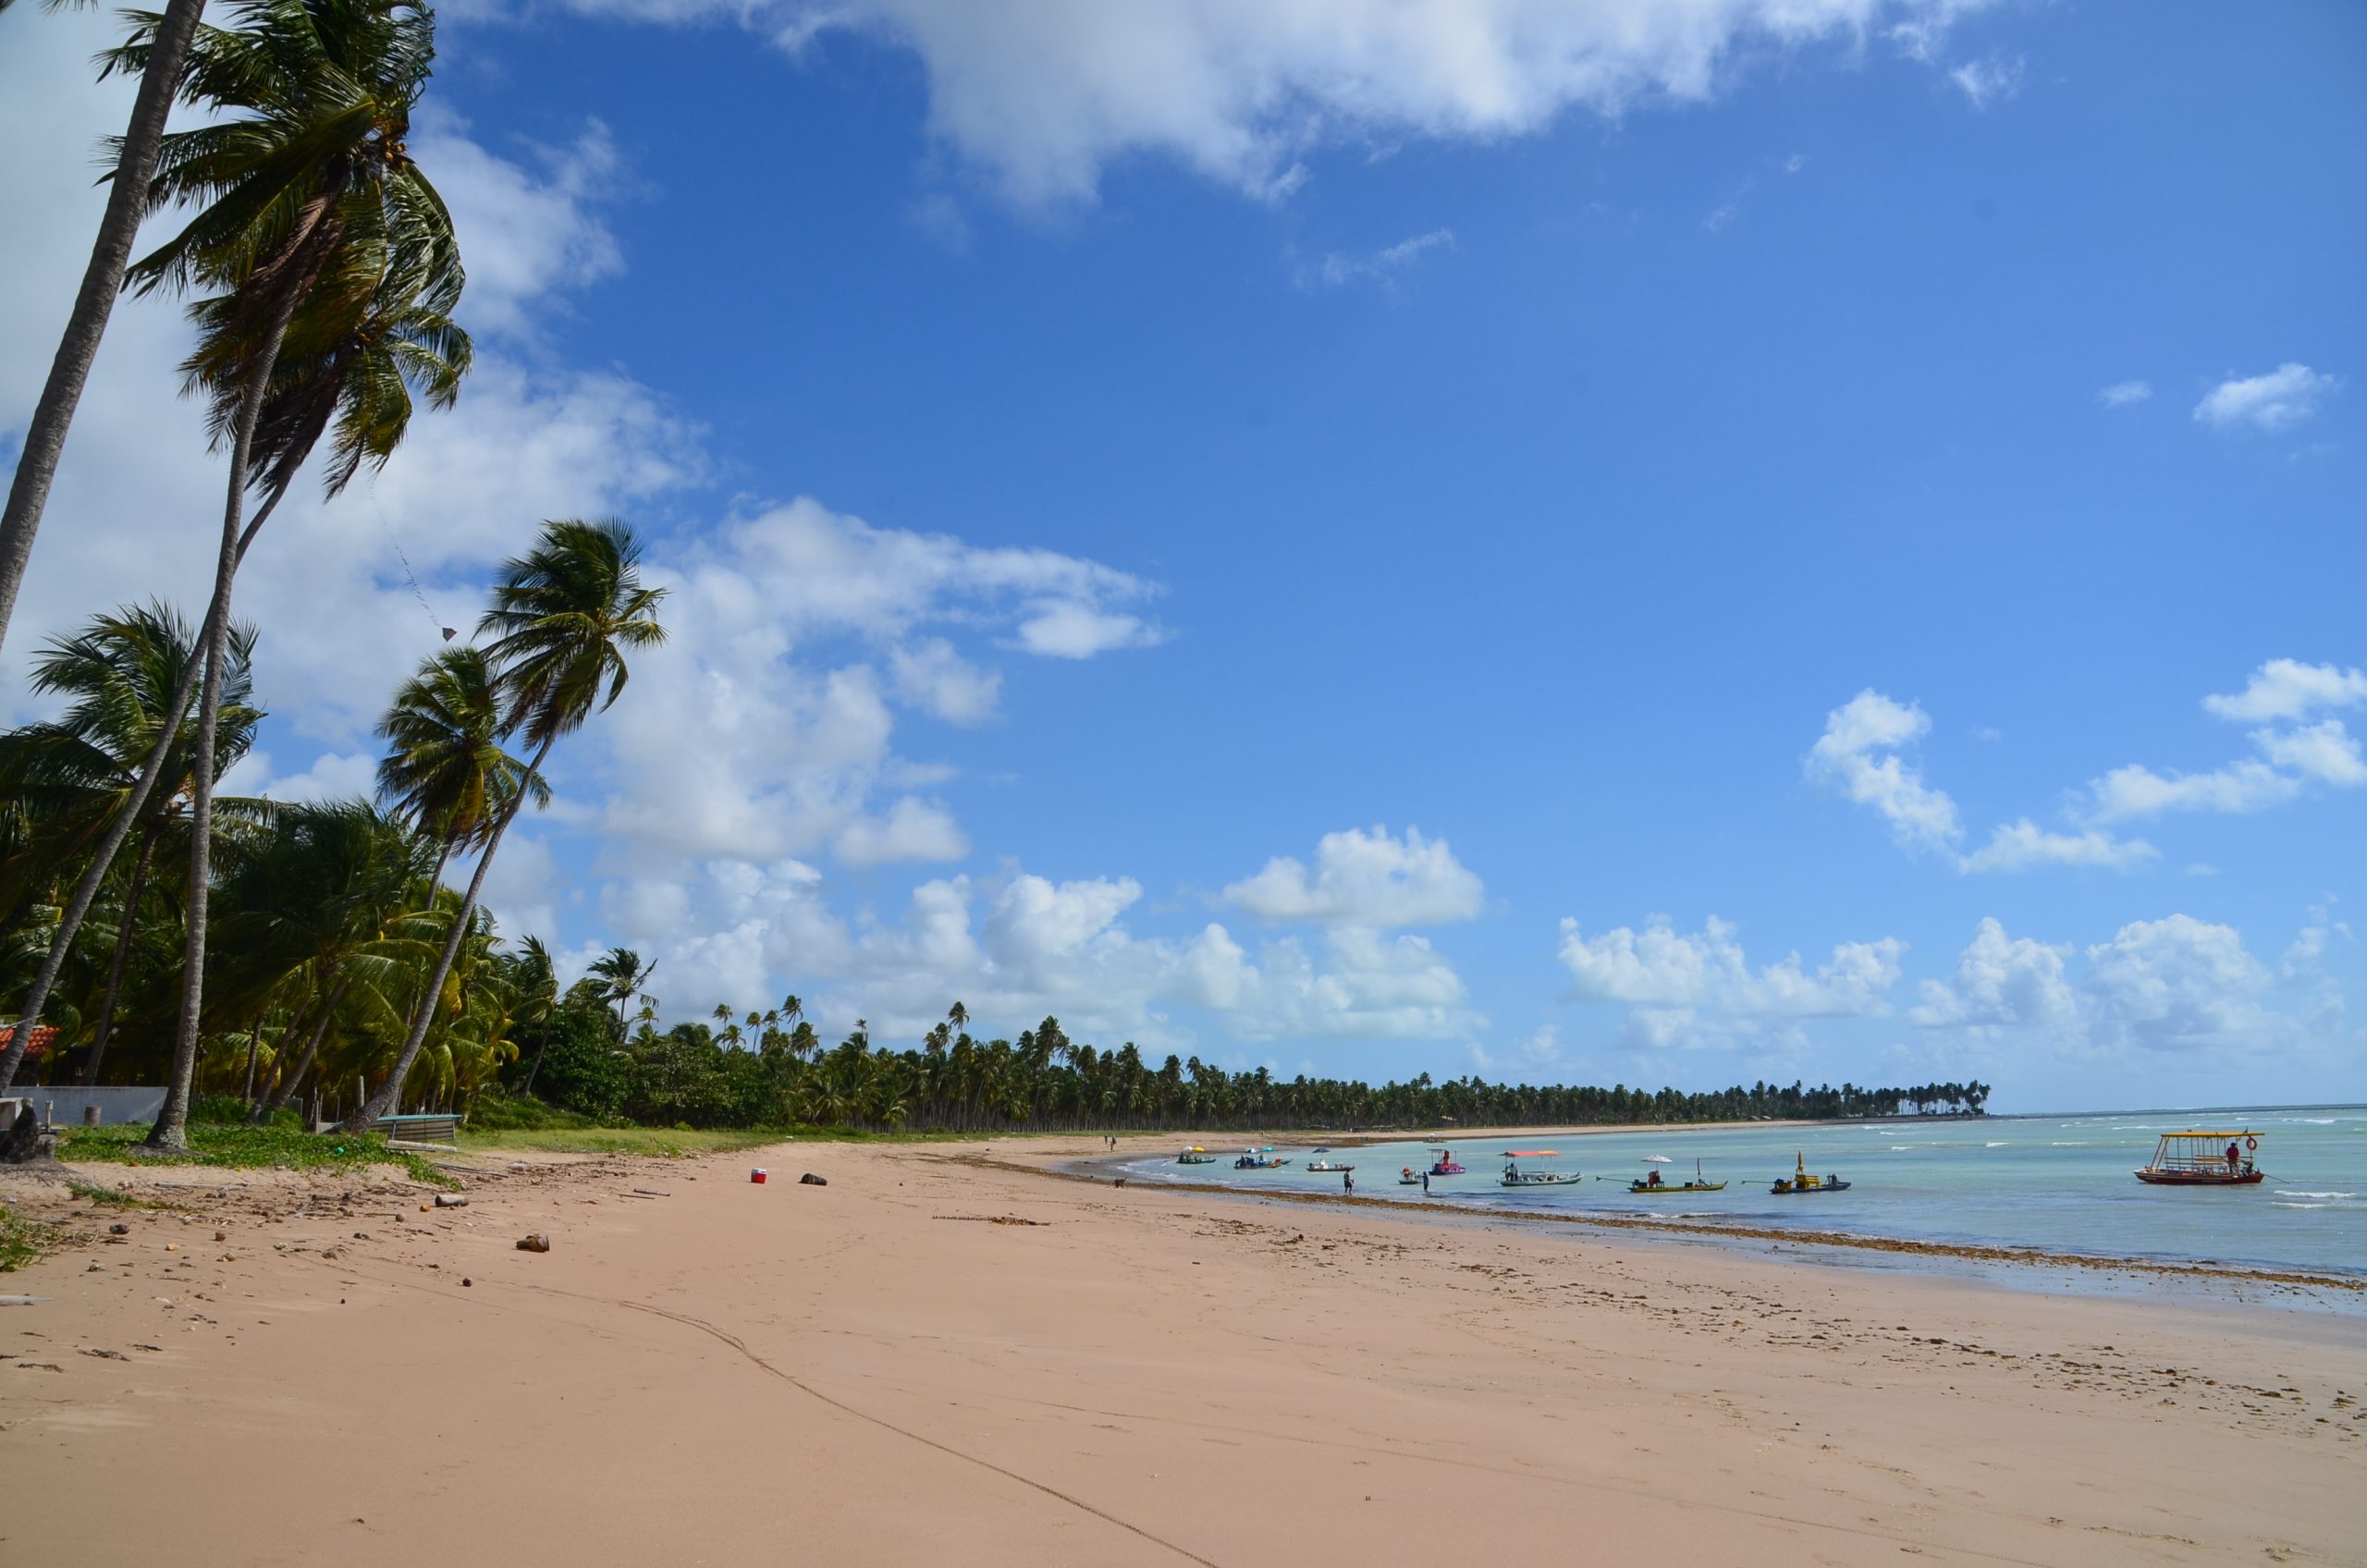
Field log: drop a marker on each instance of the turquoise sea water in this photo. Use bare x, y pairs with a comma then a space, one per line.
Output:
2059, 1183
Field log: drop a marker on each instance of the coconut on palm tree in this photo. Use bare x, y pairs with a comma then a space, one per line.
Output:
564, 615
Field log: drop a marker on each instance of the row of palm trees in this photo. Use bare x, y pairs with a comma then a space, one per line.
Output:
338, 954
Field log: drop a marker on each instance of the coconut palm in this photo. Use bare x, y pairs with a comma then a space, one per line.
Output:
81, 775
536, 982
445, 769
314, 230
169, 36
621, 976
563, 617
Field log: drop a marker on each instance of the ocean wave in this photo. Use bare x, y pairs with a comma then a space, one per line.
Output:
2297, 1193
1998, 1145
2068, 1143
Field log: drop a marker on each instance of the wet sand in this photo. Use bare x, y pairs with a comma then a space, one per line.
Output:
893, 1369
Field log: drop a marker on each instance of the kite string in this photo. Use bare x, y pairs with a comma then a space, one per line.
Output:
416, 590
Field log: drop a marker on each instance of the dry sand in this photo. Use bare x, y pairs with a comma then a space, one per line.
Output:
876, 1372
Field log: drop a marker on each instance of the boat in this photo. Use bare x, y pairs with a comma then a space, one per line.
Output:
1333, 1166
1195, 1155
1650, 1183
1514, 1176
1801, 1182
2204, 1159
1408, 1177
1444, 1165
1259, 1160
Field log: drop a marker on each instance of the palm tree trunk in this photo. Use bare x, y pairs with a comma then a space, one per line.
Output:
286, 1089
254, 1048
381, 1103
90, 1073
172, 1120
79, 904
101, 280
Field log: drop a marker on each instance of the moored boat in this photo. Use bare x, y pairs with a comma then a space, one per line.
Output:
1535, 1176
2196, 1159
1259, 1160
1801, 1180
1444, 1165
1408, 1177
1333, 1166
1195, 1155
1650, 1183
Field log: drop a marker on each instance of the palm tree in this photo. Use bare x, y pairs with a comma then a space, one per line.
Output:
135, 163
82, 774
621, 976
564, 615
536, 981
317, 229
445, 769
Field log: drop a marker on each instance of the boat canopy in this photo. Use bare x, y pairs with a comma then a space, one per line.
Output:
1532, 1154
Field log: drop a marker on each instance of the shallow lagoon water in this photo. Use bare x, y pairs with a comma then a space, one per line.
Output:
2062, 1184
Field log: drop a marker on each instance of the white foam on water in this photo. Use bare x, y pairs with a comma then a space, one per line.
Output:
1995, 1145
2068, 1143
2297, 1193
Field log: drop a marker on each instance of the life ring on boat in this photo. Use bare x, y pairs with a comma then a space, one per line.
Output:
2252, 1144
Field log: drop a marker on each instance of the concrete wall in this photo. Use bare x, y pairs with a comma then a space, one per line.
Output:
127, 1103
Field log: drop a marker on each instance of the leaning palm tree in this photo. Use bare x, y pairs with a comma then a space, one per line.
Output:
314, 230
563, 617
135, 163
128, 679
621, 976
535, 980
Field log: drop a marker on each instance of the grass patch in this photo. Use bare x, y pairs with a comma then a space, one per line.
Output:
662, 1142
249, 1148
21, 1241
107, 1197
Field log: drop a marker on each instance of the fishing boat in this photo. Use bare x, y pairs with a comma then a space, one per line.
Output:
1259, 1160
1444, 1165
1195, 1155
1514, 1176
1408, 1177
2204, 1159
1331, 1164
1801, 1182
1650, 1183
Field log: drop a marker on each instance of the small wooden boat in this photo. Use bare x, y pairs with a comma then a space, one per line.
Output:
1652, 1183
1195, 1155
1408, 1177
1514, 1176
1801, 1182
1259, 1160
1333, 1166
1444, 1165
2196, 1160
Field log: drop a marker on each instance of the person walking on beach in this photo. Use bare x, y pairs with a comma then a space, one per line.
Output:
1347, 1181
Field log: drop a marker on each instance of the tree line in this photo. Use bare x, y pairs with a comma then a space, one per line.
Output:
770, 1069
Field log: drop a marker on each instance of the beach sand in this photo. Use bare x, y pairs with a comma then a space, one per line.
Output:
877, 1372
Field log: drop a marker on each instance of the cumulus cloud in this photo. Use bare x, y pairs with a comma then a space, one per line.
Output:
526, 231
2173, 985
2283, 688
2292, 755
2121, 394
2270, 402
932, 676
2018, 846
1361, 878
1682, 979
1859, 754
911, 829
331, 776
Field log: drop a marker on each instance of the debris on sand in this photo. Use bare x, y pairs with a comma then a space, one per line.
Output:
536, 1243
810, 1180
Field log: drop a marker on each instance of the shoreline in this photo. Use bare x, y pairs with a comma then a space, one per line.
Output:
1841, 1241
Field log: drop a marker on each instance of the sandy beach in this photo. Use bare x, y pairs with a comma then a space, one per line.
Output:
940, 1357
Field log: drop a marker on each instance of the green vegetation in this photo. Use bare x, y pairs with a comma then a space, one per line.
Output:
22, 1240
107, 1197
666, 1143
283, 1148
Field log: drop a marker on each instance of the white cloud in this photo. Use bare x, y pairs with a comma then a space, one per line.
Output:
1859, 755
2121, 394
1043, 97
524, 233
1380, 266
2001, 982
1992, 79
330, 778
1367, 880
1070, 629
2324, 751
2137, 790
2283, 396
2018, 846
2173, 985
930, 675
2289, 689
911, 829
1706, 972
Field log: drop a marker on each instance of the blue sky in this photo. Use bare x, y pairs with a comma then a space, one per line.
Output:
1624, 516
